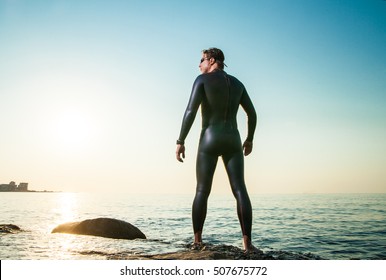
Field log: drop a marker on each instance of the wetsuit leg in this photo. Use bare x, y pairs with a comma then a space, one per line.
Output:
234, 164
205, 167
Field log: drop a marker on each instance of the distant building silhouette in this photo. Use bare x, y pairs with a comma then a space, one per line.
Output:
12, 187
23, 187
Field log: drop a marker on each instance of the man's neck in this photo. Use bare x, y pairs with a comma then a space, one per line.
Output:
214, 68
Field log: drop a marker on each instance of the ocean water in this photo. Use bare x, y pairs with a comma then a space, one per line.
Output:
332, 226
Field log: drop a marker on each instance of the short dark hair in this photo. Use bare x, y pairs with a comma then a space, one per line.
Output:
217, 54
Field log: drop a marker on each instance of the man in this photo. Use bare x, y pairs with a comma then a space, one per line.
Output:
219, 95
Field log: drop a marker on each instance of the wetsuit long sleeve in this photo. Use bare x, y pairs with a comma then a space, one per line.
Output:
247, 105
192, 108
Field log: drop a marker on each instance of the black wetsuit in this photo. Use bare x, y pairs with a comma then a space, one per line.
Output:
219, 95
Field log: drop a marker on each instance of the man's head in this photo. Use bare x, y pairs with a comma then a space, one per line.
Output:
211, 59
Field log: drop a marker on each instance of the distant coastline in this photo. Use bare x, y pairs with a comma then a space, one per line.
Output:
33, 191
22, 187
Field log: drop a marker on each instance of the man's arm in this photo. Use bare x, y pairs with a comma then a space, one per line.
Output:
247, 105
189, 116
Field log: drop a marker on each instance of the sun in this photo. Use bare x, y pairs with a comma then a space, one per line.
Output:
72, 130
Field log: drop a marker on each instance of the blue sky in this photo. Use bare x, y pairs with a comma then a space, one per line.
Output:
92, 93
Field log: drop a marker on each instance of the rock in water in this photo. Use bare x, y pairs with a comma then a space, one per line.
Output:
104, 227
9, 228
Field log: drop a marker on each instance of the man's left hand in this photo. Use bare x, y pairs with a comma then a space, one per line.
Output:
247, 146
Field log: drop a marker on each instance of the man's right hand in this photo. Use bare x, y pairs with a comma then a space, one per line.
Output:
180, 151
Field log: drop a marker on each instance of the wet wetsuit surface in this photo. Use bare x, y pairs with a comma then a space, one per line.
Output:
219, 95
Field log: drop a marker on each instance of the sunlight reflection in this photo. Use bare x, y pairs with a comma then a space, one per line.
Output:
67, 207
65, 210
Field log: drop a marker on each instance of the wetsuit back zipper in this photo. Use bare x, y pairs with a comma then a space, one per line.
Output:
228, 99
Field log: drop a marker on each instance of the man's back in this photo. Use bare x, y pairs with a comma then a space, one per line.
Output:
221, 96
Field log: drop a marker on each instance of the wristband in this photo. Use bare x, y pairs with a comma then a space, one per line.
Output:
180, 142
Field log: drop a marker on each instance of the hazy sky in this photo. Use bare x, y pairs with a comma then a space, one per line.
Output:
92, 93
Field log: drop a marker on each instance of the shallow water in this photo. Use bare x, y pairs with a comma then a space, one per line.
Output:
333, 226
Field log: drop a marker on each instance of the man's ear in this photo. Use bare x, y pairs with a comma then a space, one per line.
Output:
212, 61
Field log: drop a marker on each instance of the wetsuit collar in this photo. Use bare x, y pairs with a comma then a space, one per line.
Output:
217, 70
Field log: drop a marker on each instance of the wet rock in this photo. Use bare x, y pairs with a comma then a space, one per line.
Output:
9, 228
218, 252
104, 227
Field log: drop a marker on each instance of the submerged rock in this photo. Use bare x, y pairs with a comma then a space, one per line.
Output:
104, 227
9, 228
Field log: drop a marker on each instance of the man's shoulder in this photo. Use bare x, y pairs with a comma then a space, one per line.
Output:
203, 78
200, 77
235, 80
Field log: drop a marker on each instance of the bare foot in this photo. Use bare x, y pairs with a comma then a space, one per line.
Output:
197, 246
198, 237
253, 250
248, 247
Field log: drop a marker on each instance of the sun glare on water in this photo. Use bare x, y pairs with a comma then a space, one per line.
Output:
66, 211
67, 207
